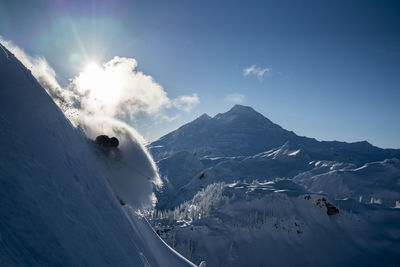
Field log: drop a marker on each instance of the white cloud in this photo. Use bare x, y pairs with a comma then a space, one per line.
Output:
257, 71
115, 89
186, 102
235, 98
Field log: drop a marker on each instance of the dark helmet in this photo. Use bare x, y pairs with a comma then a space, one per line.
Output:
102, 140
105, 141
113, 142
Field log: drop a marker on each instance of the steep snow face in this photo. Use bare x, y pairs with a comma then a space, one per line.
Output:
57, 208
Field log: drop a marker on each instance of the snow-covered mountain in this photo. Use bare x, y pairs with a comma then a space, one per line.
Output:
240, 190
58, 206
244, 132
182, 184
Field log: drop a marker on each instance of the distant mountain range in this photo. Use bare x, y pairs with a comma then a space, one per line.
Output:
242, 131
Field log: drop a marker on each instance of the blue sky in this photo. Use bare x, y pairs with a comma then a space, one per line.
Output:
333, 67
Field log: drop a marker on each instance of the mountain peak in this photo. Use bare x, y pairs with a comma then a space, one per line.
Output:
244, 131
240, 111
204, 116
202, 119
241, 108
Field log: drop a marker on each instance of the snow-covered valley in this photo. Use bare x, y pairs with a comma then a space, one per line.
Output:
278, 224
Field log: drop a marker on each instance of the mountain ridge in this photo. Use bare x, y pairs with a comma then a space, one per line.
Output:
242, 131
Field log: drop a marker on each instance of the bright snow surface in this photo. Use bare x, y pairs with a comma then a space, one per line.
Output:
57, 208
278, 223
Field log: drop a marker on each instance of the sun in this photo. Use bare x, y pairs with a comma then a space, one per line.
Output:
101, 82
101, 87
92, 67
91, 78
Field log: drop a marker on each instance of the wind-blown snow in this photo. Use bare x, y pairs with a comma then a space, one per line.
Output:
42, 71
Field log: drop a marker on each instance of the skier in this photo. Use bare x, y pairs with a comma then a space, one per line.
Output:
107, 142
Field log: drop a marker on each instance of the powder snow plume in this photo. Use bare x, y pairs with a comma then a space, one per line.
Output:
131, 170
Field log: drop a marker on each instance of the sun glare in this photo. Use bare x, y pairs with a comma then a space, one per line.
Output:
102, 86
92, 67
99, 82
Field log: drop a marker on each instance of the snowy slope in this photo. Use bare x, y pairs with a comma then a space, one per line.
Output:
375, 183
185, 174
278, 162
57, 208
277, 223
